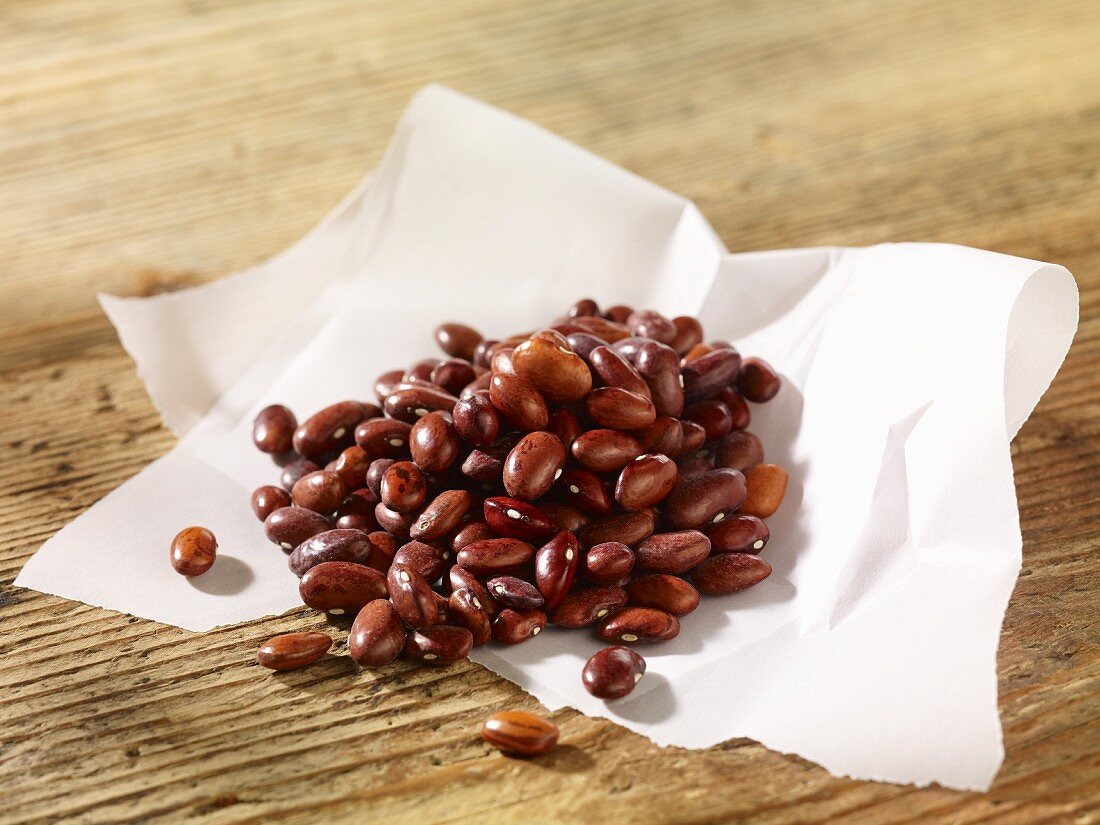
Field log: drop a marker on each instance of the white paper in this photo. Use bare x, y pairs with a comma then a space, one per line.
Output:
872, 647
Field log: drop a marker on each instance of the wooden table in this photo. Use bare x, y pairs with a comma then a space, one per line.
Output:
149, 146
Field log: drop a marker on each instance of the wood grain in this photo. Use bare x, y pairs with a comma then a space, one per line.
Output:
148, 146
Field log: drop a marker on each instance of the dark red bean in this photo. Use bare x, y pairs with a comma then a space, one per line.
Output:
290, 526
399, 524
352, 465
457, 340
320, 491
193, 551
616, 371
664, 592
705, 376
481, 357
738, 534
629, 528
585, 306
421, 371
273, 429
492, 556
330, 429
609, 331
518, 401
564, 516
293, 471
583, 343
512, 591
375, 471
514, 625
404, 487
268, 499
383, 438
619, 409
646, 481
605, 451
412, 596
740, 414
468, 612
442, 515
612, 673
433, 443
689, 332
705, 499
293, 650
331, 545
694, 465
585, 490
556, 566
516, 519
377, 636
476, 419
340, 587
638, 624
384, 384
757, 381
430, 562
739, 450
673, 552
618, 313
459, 577
694, 437
660, 367
563, 424
648, 323
383, 548
586, 607
453, 375
609, 562
533, 465
727, 573
411, 403
469, 533
482, 466
665, 436
713, 416
357, 511
439, 644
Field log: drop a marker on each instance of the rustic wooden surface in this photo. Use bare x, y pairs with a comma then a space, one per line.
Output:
148, 146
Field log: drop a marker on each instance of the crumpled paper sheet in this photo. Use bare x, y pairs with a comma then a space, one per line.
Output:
909, 367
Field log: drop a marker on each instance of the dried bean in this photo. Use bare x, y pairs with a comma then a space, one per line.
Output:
767, 484
533, 465
320, 491
517, 733
605, 451
293, 650
442, 515
340, 587
739, 451
556, 566
328, 430
193, 552
612, 673
290, 526
738, 534
377, 636
491, 556
727, 573
331, 545
638, 624
273, 429
609, 562
439, 644
646, 481
663, 592
673, 552
514, 625
516, 519
588, 606
267, 499
757, 381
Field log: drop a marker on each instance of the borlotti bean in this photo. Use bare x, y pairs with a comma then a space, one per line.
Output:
596, 473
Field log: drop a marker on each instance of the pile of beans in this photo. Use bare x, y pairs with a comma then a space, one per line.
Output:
598, 473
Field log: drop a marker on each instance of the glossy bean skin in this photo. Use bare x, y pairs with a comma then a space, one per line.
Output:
352, 465
421, 371
404, 487
408, 403
556, 567
705, 499
648, 323
193, 551
583, 343
513, 625
357, 511
740, 414
439, 644
481, 352
478, 385
618, 313
460, 578
399, 524
457, 340
453, 374
660, 367
331, 545
290, 526
694, 465
646, 481
470, 532
384, 384
706, 375
293, 471
442, 515
739, 450
628, 528
584, 490
518, 401
433, 443
512, 591
273, 429
663, 591
693, 438
340, 587
548, 362
430, 562
665, 436
377, 636
612, 673
620, 409
586, 607
609, 331
330, 429
291, 651
516, 519
267, 499
585, 306
564, 516
517, 733
689, 332
468, 612
638, 624
493, 556
563, 424
501, 361
605, 450
757, 381
738, 533
608, 563
375, 471
616, 371
383, 438
727, 573
767, 484
673, 552
713, 416
533, 465
320, 491
476, 420
412, 596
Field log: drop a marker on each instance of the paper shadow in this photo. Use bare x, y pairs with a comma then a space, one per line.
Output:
655, 705
227, 577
